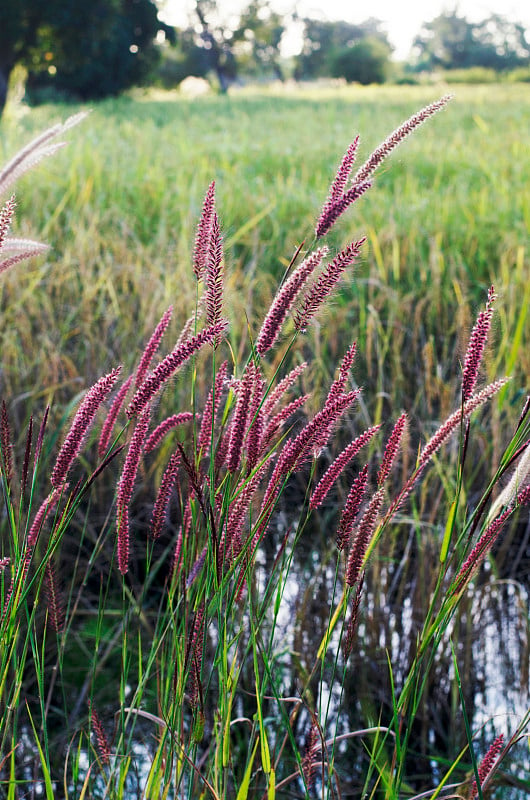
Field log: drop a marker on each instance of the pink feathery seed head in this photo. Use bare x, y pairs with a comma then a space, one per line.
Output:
256, 421
4, 562
453, 422
475, 348
6, 216
351, 508
325, 283
391, 449
482, 547
343, 173
362, 539
240, 418
284, 300
334, 209
101, 738
351, 630
40, 437
284, 385
523, 497
152, 346
54, 599
82, 421
196, 568
211, 409
112, 416
338, 465
176, 562
164, 427
27, 454
487, 764
278, 420
126, 486
6, 447
202, 238
170, 364
311, 757
213, 297
392, 141
40, 517
339, 384
164, 495
300, 448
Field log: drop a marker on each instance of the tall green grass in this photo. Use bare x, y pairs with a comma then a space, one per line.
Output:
244, 671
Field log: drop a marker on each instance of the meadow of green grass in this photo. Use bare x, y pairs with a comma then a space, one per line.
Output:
448, 216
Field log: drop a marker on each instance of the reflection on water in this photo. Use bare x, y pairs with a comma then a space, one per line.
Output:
490, 636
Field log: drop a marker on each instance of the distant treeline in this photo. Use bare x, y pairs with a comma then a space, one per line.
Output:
73, 50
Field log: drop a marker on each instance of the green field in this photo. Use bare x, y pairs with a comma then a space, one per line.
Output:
447, 217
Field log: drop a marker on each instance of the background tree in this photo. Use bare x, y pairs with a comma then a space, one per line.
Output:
367, 61
451, 42
323, 40
257, 39
214, 36
20, 22
83, 49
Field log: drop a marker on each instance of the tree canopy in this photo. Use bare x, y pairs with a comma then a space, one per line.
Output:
323, 41
84, 49
452, 42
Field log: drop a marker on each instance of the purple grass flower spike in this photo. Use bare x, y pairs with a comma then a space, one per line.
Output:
333, 210
112, 416
283, 302
475, 349
82, 421
6, 447
338, 465
362, 539
40, 517
299, 449
165, 426
391, 449
392, 141
27, 454
482, 547
284, 385
164, 495
54, 598
339, 384
126, 486
240, 419
276, 422
454, 421
325, 283
40, 437
347, 642
102, 741
202, 239
211, 408
343, 173
170, 364
213, 274
6, 216
351, 507
339, 199
486, 765
152, 346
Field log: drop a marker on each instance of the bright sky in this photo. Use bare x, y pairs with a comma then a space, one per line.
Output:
402, 18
